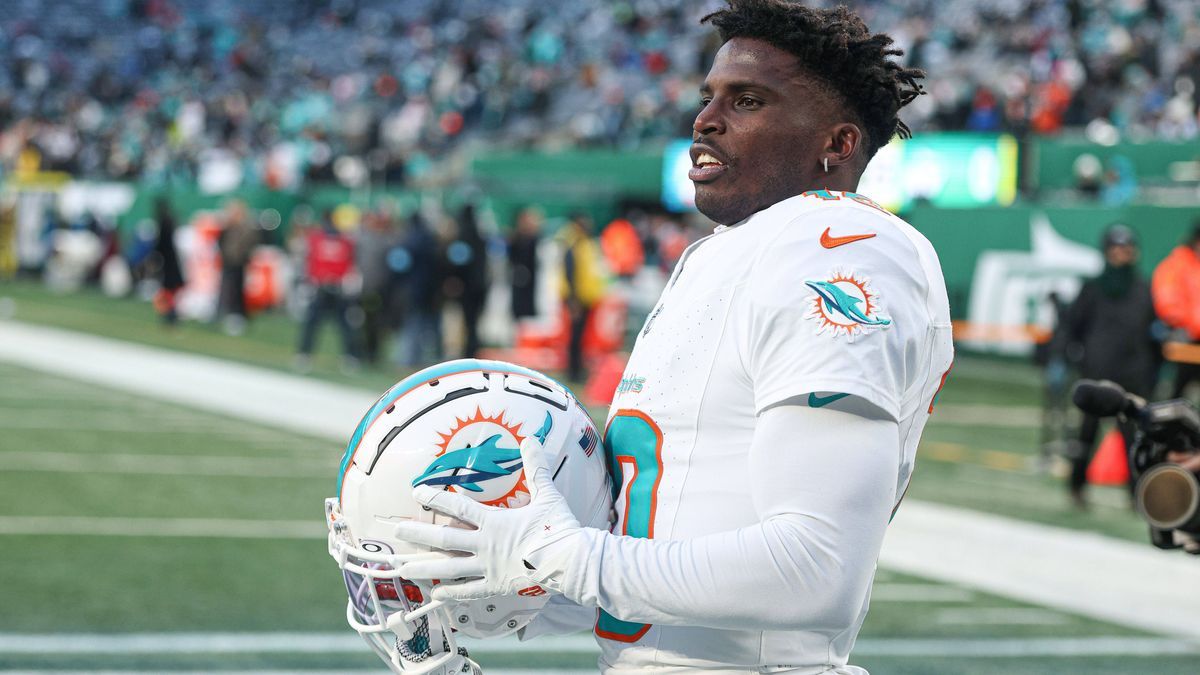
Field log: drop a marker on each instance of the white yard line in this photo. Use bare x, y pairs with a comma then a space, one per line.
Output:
978, 414
83, 526
1083, 573
264, 396
882, 591
257, 643
1026, 647
1108, 579
169, 465
1000, 616
381, 670
582, 644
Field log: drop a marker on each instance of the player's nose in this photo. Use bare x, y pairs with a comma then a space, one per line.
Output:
708, 121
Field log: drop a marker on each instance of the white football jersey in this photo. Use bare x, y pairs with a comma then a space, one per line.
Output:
823, 299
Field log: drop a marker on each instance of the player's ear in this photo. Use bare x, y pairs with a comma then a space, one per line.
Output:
843, 144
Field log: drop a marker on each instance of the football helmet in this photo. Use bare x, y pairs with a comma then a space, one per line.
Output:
457, 426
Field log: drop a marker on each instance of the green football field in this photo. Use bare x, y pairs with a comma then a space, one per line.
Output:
142, 535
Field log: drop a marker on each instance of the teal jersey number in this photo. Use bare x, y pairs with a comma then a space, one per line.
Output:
633, 445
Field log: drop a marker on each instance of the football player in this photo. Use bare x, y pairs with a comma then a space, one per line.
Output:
770, 412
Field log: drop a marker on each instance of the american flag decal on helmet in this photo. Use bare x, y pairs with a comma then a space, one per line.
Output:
588, 441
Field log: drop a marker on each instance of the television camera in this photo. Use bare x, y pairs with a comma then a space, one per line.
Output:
1164, 459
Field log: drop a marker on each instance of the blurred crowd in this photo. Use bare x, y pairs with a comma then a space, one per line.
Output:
279, 92
407, 289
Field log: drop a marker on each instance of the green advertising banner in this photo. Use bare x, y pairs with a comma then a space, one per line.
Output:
948, 170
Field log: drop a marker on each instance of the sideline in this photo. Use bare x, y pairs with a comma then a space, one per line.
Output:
583, 644
1125, 583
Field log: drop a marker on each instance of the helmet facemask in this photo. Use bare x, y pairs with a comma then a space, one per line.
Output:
408, 629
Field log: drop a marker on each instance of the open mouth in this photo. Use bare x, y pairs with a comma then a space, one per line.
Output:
705, 168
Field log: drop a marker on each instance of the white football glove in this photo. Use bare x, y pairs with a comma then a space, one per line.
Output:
511, 550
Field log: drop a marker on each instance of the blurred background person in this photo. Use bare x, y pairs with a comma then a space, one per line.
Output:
1110, 325
622, 248
1176, 288
8, 237
329, 265
416, 284
236, 244
467, 277
170, 272
580, 287
375, 239
523, 267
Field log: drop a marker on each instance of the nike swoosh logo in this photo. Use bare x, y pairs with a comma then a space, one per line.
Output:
815, 401
834, 242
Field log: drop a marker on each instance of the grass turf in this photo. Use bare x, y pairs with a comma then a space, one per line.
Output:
87, 583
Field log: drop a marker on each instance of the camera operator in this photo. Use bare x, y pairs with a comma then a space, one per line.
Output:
1187, 460
1109, 330
1164, 459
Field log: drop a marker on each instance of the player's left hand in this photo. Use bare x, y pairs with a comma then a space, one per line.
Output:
511, 549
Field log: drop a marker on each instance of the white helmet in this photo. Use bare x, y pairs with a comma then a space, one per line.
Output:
457, 425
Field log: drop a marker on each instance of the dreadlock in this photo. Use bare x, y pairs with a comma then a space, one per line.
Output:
834, 46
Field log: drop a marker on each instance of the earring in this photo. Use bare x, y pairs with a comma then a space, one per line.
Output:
826, 161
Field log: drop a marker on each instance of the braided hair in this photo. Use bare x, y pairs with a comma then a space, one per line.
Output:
835, 47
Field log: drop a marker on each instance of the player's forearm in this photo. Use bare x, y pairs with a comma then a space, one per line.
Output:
825, 504
774, 576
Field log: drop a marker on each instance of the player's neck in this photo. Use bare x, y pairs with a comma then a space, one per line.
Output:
839, 181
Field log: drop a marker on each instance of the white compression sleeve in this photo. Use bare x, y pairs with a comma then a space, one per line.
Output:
826, 485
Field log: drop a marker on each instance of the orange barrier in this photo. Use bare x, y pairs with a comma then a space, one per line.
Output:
994, 332
1181, 352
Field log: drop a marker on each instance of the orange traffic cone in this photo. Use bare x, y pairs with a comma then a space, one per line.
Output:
1110, 465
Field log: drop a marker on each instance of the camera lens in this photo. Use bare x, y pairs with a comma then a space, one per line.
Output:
1168, 496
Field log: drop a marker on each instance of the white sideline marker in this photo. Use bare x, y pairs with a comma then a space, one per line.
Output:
82, 526
169, 465
582, 644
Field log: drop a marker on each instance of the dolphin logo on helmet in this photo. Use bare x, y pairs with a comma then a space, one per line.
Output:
471, 465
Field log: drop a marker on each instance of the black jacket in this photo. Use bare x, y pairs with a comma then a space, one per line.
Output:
1114, 332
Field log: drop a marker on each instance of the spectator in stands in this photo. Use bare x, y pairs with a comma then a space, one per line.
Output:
581, 286
226, 89
236, 244
523, 267
1111, 325
170, 272
1176, 288
467, 275
329, 265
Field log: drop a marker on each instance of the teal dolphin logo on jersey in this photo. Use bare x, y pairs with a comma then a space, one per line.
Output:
843, 303
472, 465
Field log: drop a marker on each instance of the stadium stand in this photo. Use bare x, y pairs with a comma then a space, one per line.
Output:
294, 91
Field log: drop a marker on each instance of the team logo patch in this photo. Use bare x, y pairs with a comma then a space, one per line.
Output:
845, 305
481, 455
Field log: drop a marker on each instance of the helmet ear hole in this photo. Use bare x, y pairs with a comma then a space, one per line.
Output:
455, 426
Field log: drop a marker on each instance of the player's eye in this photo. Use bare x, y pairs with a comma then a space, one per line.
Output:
705, 100
748, 102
